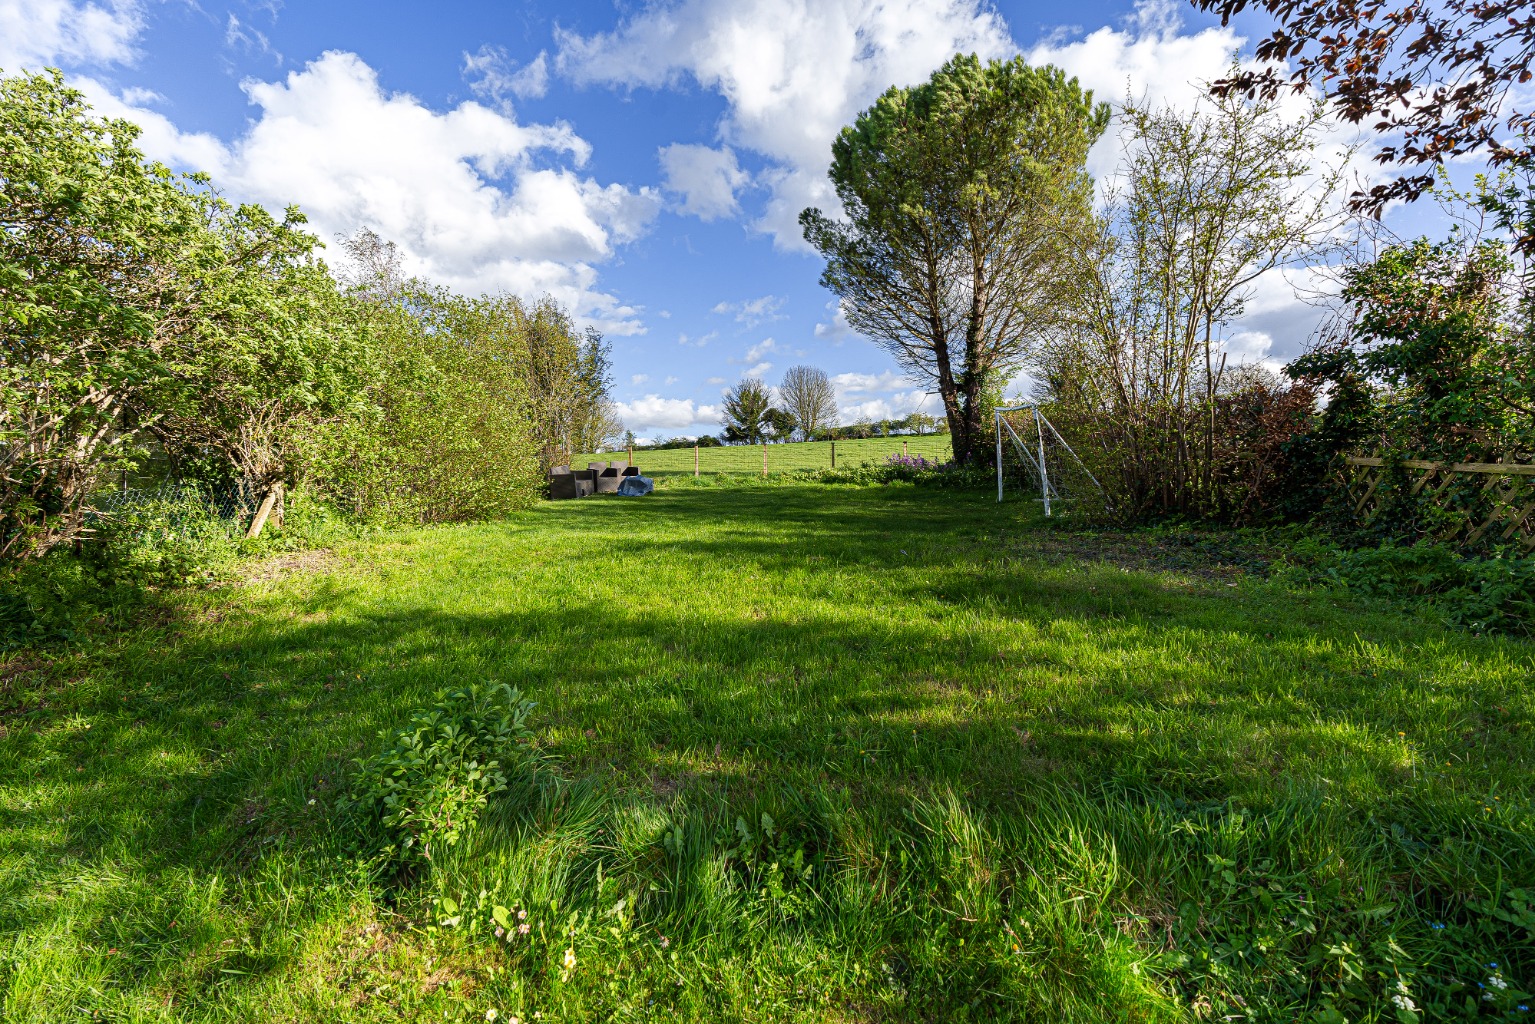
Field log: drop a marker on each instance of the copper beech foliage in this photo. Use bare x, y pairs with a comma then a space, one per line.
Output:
1436, 79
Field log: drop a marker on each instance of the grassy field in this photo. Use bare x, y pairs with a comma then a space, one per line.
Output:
781, 458
813, 753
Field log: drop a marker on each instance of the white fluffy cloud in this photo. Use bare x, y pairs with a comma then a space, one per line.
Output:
759, 365
493, 76
879, 396
37, 33
1150, 58
1147, 56
792, 72
837, 329
654, 412
706, 179
753, 311
858, 383
476, 199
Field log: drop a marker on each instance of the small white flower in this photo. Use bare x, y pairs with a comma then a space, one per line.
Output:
570, 959
490, 1014
1497, 982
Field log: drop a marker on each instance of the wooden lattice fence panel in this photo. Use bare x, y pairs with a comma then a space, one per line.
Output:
1504, 492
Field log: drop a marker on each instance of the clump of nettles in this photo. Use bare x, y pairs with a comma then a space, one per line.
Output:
428, 786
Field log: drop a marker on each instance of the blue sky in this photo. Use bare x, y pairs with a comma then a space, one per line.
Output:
643, 162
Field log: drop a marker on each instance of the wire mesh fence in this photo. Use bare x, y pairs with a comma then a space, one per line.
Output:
176, 501
772, 459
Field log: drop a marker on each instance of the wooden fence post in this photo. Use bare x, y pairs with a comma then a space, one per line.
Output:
834, 455
903, 449
264, 511
631, 455
764, 458
695, 461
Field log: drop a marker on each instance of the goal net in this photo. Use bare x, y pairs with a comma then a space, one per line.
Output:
1034, 459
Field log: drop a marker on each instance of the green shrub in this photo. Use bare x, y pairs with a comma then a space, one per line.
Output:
1485, 595
137, 543
428, 787
913, 469
170, 538
309, 521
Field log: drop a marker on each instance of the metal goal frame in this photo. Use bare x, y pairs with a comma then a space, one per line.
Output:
1036, 459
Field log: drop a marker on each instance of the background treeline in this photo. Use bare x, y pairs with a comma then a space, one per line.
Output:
802, 408
155, 334
916, 423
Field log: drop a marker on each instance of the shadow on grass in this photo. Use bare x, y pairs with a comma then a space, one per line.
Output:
901, 656
988, 674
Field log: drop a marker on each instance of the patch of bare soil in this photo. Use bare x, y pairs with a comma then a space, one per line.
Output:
1206, 554
19, 666
291, 563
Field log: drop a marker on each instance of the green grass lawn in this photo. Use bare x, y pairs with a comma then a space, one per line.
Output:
781, 458
814, 753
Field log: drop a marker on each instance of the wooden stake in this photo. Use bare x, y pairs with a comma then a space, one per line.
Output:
903, 449
264, 511
695, 461
631, 455
764, 458
834, 455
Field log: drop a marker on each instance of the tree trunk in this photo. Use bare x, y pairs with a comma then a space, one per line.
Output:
949, 393
970, 389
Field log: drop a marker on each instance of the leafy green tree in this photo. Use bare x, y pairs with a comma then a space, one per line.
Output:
1434, 362
87, 233
136, 306
277, 344
1430, 358
964, 197
745, 410
567, 374
596, 420
921, 422
781, 422
447, 436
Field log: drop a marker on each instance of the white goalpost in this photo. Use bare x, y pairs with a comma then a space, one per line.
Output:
1034, 452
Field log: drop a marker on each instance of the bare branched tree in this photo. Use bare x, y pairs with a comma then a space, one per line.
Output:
806, 394
1203, 205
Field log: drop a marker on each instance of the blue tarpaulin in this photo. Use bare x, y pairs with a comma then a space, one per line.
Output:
635, 486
